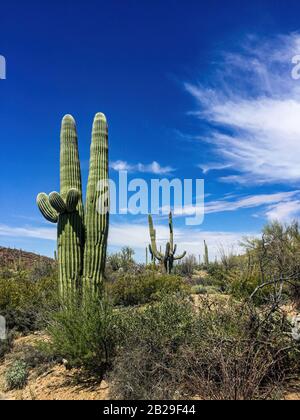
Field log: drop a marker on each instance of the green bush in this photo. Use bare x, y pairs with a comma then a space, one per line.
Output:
84, 335
129, 290
205, 290
17, 375
241, 286
24, 302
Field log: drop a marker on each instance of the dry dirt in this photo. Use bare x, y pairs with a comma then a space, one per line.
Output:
55, 383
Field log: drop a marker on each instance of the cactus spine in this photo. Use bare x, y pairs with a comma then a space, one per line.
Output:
168, 258
78, 234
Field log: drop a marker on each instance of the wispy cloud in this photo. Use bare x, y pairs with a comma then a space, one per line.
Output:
284, 212
28, 232
206, 168
281, 200
151, 168
251, 201
254, 106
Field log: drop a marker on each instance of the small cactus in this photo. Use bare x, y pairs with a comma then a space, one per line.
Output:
167, 259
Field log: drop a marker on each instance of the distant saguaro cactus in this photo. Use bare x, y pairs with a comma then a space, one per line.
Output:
168, 258
206, 256
82, 238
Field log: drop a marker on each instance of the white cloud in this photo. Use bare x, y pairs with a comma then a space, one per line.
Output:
284, 212
28, 232
120, 165
152, 168
258, 103
190, 240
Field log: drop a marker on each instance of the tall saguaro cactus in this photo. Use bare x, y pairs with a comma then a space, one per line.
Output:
96, 208
82, 239
168, 258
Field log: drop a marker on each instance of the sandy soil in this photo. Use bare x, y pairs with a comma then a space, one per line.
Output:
55, 383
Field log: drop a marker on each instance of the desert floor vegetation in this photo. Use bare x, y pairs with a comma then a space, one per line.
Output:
221, 330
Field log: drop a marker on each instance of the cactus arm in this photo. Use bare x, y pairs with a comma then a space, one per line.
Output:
57, 202
97, 206
152, 255
72, 199
180, 256
175, 249
46, 209
155, 252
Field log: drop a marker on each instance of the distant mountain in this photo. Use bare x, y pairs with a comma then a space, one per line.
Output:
11, 258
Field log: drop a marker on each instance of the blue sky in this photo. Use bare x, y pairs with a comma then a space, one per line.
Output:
204, 90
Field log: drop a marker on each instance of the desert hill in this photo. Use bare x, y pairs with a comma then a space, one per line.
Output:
11, 258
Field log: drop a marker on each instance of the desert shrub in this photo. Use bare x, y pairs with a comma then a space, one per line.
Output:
6, 345
237, 353
24, 302
84, 335
275, 257
242, 285
16, 376
149, 341
217, 276
205, 290
143, 288
122, 260
41, 270
32, 355
169, 350
186, 267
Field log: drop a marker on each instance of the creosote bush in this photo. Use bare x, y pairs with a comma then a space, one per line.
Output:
130, 290
83, 334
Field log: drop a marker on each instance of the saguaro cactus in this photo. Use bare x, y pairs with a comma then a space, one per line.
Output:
206, 257
168, 258
82, 240
97, 206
